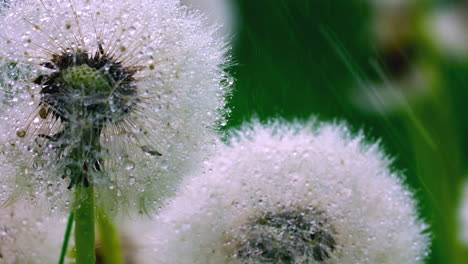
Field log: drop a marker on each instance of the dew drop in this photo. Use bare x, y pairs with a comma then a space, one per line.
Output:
43, 113
164, 165
21, 133
132, 30
129, 165
131, 181
37, 165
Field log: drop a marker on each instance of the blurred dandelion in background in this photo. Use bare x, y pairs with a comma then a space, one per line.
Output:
402, 79
448, 25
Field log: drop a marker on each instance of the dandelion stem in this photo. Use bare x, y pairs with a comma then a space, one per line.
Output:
66, 238
84, 225
84, 157
110, 242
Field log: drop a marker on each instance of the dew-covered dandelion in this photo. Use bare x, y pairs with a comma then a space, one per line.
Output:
121, 95
292, 193
28, 235
31, 234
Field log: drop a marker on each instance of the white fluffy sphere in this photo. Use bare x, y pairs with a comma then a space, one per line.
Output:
292, 193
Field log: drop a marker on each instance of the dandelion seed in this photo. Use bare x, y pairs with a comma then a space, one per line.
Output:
98, 88
292, 193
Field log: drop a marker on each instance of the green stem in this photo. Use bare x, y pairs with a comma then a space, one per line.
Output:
110, 243
84, 158
84, 225
66, 238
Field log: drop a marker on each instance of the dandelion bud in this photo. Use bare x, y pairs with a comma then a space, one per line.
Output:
292, 193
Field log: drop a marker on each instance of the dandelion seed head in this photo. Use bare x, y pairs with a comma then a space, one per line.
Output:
289, 236
94, 87
292, 193
146, 76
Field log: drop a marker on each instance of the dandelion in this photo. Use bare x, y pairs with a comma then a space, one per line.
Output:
27, 235
292, 193
30, 234
123, 100
128, 91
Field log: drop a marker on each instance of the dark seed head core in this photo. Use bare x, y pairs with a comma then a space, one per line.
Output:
288, 237
92, 87
85, 92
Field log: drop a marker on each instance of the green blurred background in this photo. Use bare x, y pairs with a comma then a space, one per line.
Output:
337, 59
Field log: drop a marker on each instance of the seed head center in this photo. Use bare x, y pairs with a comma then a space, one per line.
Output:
96, 88
87, 80
288, 237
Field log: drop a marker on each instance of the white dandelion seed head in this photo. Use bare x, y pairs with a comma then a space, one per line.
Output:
296, 193
160, 69
30, 236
